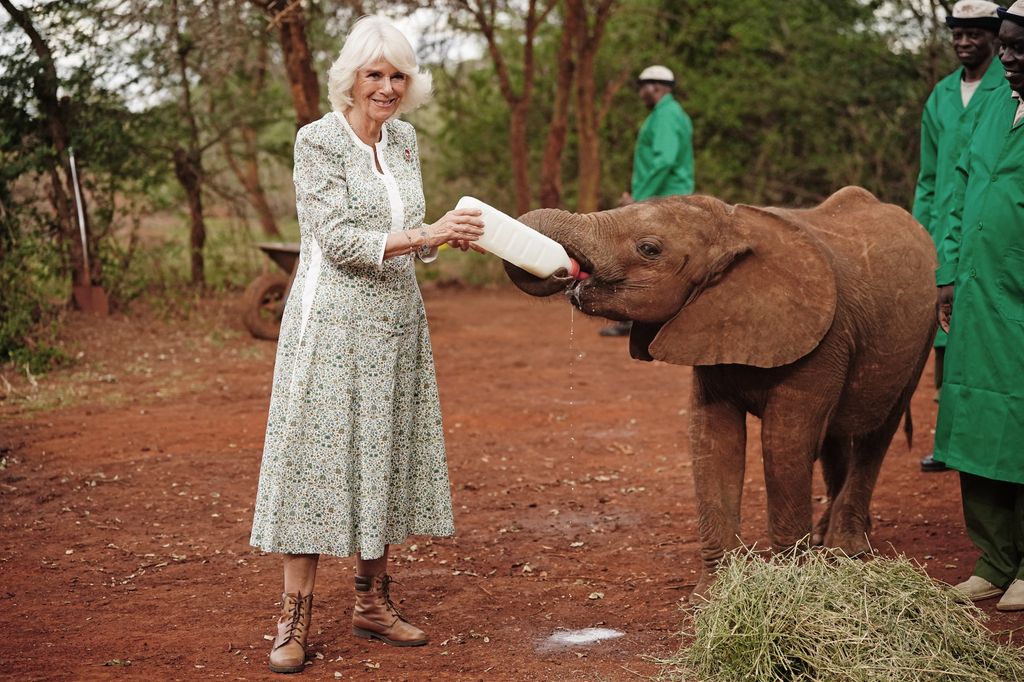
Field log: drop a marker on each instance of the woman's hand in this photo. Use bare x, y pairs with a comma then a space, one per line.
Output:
945, 306
465, 245
459, 228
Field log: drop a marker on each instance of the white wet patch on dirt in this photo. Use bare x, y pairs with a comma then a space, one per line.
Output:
584, 637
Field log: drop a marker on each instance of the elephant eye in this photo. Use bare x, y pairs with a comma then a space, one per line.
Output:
649, 249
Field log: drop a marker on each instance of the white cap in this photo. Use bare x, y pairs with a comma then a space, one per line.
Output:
974, 9
658, 73
974, 14
1015, 13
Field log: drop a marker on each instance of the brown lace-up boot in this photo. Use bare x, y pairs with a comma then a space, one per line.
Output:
375, 617
289, 652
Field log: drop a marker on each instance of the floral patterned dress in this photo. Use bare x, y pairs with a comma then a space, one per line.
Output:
354, 457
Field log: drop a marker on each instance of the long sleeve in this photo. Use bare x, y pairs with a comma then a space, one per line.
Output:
949, 248
924, 196
321, 196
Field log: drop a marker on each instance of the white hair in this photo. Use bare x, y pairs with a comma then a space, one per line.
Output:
373, 38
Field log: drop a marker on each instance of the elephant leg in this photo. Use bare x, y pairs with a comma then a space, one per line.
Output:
790, 437
850, 523
718, 440
834, 458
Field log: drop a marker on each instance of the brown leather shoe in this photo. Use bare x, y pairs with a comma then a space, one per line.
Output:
288, 654
375, 617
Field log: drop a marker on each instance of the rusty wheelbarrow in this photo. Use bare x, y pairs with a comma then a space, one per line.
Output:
264, 298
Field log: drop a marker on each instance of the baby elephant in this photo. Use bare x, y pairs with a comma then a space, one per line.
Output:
817, 321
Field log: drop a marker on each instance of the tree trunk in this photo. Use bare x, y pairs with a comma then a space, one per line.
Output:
485, 14
587, 121
290, 20
558, 127
248, 171
248, 174
188, 170
61, 193
520, 147
188, 163
588, 177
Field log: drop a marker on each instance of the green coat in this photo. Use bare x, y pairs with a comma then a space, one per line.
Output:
663, 158
980, 427
945, 131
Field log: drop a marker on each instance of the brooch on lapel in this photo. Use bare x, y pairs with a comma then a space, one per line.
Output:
408, 154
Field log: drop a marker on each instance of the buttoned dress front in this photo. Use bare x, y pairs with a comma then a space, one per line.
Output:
946, 126
354, 457
980, 427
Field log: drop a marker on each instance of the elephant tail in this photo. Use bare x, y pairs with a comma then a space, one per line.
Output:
908, 426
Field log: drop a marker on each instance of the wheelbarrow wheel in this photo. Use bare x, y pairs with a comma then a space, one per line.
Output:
263, 305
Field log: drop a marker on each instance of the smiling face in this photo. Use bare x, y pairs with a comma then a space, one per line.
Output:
377, 91
1011, 53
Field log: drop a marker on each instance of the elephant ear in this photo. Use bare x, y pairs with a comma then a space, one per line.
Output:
768, 301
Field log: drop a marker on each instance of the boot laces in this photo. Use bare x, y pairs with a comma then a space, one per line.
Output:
296, 627
385, 591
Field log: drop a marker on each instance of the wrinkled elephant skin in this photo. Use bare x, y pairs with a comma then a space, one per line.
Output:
817, 321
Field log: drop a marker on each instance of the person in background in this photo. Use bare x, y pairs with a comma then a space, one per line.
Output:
980, 428
949, 114
663, 156
354, 459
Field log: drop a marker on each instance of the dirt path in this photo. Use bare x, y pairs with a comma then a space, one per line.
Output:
127, 495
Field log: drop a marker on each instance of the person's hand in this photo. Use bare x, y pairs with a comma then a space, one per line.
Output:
626, 199
458, 228
945, 306
466, 245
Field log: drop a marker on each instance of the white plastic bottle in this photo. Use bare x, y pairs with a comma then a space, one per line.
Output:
520, 244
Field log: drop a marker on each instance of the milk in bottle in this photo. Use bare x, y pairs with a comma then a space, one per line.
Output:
520, 244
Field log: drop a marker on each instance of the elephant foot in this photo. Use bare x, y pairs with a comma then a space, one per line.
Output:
850, 544
700, 592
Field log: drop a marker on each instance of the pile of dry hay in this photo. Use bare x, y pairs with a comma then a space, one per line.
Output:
822, 616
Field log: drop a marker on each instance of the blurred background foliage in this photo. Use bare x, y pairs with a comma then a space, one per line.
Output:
181, 114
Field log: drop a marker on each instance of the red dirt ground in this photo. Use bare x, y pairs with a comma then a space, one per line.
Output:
128, 487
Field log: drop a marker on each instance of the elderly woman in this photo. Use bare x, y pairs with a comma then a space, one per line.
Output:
354, 459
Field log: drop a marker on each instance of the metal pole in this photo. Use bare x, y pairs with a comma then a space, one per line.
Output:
81, 215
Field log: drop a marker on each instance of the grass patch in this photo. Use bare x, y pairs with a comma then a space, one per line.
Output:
823, 616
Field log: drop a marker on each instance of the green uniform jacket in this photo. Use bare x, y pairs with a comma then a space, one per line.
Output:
663, 158
945, 131
980, 427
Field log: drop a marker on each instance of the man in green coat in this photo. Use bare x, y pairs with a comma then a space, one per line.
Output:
946, 123
980, 429
663, 155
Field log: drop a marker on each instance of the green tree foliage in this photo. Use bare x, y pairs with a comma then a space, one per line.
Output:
790, 101
35, 254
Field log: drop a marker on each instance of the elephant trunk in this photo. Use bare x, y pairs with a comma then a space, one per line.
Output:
563, 228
